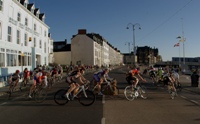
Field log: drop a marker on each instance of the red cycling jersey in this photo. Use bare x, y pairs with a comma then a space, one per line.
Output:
134, 71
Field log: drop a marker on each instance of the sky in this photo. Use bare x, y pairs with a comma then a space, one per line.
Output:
161, 22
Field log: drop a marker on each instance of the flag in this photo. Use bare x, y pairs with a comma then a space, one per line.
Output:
182, 40
178, 44
178, 37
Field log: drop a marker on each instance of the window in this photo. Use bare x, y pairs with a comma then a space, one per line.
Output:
45, 33
9, 34
18, 37
34, 27
40, 44
18, 17
26, 21
11, 57
34, 42
1, 5
0, 31
25, 39
2, 57
44, 47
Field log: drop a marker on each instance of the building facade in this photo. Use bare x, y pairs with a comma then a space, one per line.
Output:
93, 49
144, 55
24, 39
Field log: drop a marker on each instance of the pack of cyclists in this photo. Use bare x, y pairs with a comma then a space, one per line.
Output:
77, 75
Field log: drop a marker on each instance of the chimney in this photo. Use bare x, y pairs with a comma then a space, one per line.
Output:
82, 31
66, 41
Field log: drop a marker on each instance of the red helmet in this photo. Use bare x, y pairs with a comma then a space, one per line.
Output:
17, 71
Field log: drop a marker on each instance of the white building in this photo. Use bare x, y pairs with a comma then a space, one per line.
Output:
24, 40
93, 49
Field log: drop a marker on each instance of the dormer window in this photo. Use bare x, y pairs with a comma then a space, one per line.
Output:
42, 16
37, 14
32, 10
25, 4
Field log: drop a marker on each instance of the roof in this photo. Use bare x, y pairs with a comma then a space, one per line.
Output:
61, 46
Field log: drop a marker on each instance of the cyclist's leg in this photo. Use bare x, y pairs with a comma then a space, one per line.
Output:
32, 88
76, 89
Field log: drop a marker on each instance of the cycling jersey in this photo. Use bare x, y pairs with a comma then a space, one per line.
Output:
101, 74
15, 77
134, 71
38, 77
26, 74
72, 76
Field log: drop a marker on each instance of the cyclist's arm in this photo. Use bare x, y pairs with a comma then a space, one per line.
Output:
141, 77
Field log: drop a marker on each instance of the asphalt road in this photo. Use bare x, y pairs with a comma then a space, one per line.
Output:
158, 108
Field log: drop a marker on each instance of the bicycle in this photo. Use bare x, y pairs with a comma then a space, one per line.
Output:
39, 93
131, 92
171, 91
108, 88
84, 96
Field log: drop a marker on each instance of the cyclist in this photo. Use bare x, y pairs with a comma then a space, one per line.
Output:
169, 78
26, 76
60, 70
74, 86
100, 77
36, 81
14, 79
152, 74
54, 72
132, 76
160, 74
176, 78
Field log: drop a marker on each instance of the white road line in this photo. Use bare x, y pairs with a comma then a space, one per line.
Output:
103, 99
103, 120
3, 103
183, 97
194, 102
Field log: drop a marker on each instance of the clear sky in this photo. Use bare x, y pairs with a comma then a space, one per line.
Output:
162, 21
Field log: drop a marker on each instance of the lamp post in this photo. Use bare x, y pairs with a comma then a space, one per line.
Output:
128, 46
129, 52
134, 49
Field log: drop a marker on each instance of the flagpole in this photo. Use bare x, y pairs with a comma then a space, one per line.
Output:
179, 57
183, 40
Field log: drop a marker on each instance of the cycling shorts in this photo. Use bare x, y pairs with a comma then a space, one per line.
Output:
37, 80
70, 80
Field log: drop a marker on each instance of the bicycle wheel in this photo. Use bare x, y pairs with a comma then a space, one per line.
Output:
172, 94
129, 93
60, 98
179, 87
143, 92
40, 95
87, 100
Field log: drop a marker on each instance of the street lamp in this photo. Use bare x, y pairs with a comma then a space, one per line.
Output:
128, 46
134, 49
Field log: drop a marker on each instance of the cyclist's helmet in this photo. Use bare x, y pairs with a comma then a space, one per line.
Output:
17, 71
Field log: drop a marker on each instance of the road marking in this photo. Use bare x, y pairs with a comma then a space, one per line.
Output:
103, 99
194, 102
3, 103
103, 120
183, 97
